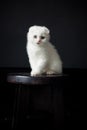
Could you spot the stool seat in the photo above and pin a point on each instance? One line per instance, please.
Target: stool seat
(26, 79)
(48, 97)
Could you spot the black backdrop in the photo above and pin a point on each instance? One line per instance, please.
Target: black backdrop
(66, 20)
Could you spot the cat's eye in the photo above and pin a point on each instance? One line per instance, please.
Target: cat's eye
(35, 36)
(42, 37)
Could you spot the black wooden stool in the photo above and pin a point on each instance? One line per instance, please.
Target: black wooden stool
(41, 93)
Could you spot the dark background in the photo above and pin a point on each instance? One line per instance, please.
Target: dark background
(67, 22)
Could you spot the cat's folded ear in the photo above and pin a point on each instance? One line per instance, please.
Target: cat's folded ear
(30, 28)
(46, 30)
(29, 31)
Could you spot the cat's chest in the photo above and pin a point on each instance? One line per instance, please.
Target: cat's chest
(35, 54)
(38, 53)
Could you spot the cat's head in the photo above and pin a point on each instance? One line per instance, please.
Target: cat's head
(38, 35)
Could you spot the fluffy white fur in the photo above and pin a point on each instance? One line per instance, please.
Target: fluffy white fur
(43, 57)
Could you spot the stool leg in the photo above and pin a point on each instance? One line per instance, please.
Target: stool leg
(58, 108)
(16, 107)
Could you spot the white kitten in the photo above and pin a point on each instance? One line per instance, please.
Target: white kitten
(43, 57)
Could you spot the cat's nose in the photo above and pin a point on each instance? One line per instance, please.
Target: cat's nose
(39, 41)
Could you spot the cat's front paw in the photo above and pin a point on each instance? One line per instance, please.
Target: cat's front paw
(34, 74)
